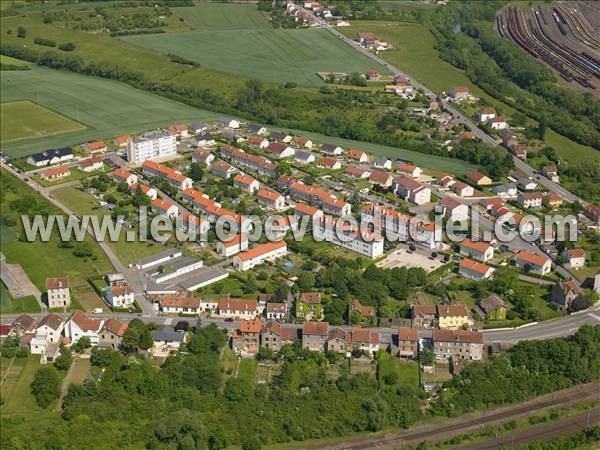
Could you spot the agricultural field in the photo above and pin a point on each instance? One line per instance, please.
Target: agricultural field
(25, 119)
(237, 39)
(108, 108)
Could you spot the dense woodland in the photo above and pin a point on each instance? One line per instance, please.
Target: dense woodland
(186, 403)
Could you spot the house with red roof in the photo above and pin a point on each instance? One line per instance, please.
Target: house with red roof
(79, 325)
(173, 177)
(280, 150)
(329, 163)
(164, 208)
(315, 335)
(246, 183)
(231, 246)
(260, 254)
(409, 169)
(458, 345)
(574, 257)
(203, 157)
(564, 293)
(462, 189)
(111, 334)
(275, 335)
(91, 164)
(123, 176)
(271, 199)
(405, 343)
(56, 173)
(533, 262)
(459, 93)
(358, 155)
(474, 270)
(258, 141)
(357, 172)
(145, 189)
(95, 146)
(365, 339)
(486, 114)
(410, 190)
(179, 129)
(481, 251)
(121, 141)
(237, 309)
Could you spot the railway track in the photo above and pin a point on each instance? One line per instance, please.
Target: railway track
(531, 32)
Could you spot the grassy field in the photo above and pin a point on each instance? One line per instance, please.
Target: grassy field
(24, 119)
(15, 62)
(108, 108)
(403, 372)
(247, 370)
(237, 39)
(10, 305)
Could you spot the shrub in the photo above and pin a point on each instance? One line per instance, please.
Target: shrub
(46, 386)
(44, 41)
(67, 47)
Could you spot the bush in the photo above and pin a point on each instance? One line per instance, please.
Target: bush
(44, 41)
(63, 362)
(22, 352)
(21, 32)
(46, 386)
(68, 47)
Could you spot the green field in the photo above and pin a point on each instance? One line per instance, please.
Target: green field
(237, 39)
(10, 305)
(12, 61)
(24, 119)
(108, 108)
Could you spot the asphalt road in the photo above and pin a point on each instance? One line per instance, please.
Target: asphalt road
(459, 116)
(433, 432)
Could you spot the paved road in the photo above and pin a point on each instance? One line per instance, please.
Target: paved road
(542, 433)
(459, 116)
(448, 429)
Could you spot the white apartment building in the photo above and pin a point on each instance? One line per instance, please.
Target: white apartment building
(151, 146)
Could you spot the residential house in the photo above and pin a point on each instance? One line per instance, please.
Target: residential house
(381, 162)
(275, 335)
(493, 308)
(166, 340)
(357, 155)
(308, 306)
(364, 311)
(91, 164)
(229, 122)
(280, 150)
(237, 309)
(250, 338)
(332, 149)
(121, 141)
(383, 179)
(47, 337)
(532, 262)
(453, 209)
(304, 157)
(172, 176)
(122, 176)
(111, 334)
(197, 128)
(232, 246)
(275, 311)
(281, 136)
(497, 123)
(474, 270)
(552, 200)
(120, 296)
(357, 172)
(183, 303)
(405, 343)
(365, 339)
(458, 345)
(424, 316)
(246, 183)
(222, 169)
(179, 129)
(462, 189)
(145, 189)
(453, 316)
(315, 335)
(574, 257)
(339, 341)
(95, 146)
(459, 93)
(57, 292)
(257, 129)
(22, 325)
(260, 254)
(478, 178)
(551, 172)
(205, 139)
(373, 75)
(481, 251)
(409, 169)
(302, 209)
(258, 141)
(56, 173)
(302, 141)
(519, 150)
(203, 157)
(79, 325)
(164, 208)
(530, 199)
(445, 180)
(486, 114)
(50, 157)
(271, 199)
(563, 293)
(329, 163)
(506, 191)
(592, 212)
(410, 190)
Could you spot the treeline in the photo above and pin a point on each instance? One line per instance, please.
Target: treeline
(508, 73)
(528, 369)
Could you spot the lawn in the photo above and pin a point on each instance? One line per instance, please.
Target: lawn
(402, 372)
(10, 305)
(237, 39)
(24, 119)
(46, 259)
(108, 108)
(247, 370)
(76, 174)
(12, 61)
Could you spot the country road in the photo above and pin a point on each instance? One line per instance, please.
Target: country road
(447, 429)
(519, 164)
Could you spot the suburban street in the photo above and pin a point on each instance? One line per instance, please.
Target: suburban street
(458, 115)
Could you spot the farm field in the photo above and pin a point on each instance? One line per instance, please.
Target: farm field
(24, 119)
(108, 108)
(235, 39)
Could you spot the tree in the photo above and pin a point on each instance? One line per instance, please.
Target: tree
(136, 337)
(426, 357)
(83, 343)
(104, 357)
(306, 281)
(580, 303)
(64, 360)
(21, 32)
(281, 293)
(67, 47)
(196, 172)
(46, 386)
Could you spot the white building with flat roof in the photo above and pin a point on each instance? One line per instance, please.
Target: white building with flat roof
(151, 146)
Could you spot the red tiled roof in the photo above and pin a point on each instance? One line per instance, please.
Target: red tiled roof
(313, 298)
(95, 145)
(466, 337)
(250, 326)
(85, 323)
(57, 283)
(269, 195)
(320, 328)
(454, 309)
(305, 209)
(261, 250)
(120, 173)
(237, 305)
(55, 171)
(531, 258)
(115, 326)
(407, 334)
(474, 266)
(480, 247)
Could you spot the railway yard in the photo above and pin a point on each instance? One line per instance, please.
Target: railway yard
(562, 35)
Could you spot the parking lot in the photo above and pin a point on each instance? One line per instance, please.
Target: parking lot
(404, 257)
